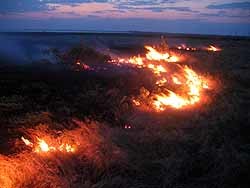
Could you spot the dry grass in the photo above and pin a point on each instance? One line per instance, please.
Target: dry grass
(202, 147)
(57, 169)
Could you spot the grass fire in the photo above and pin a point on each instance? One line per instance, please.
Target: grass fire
(169, 72)
(125, 110)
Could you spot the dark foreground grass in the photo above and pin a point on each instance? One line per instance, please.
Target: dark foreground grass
(204, 147)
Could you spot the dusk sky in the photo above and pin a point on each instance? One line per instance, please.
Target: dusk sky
(177, 16)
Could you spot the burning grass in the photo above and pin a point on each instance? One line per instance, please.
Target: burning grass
(54, 157)
(80, 57)
(30, 170)
(204, 146)
(177, 85)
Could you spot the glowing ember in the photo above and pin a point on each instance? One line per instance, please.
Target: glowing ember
(137, 103)
(184, 47)
(83, 65)
(210, 48)
(127, 127)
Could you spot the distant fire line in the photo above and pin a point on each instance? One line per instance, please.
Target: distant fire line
(157, 61)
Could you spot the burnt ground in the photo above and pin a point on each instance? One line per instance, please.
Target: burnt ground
(207, 146)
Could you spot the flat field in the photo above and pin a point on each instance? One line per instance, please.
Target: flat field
(119, 144)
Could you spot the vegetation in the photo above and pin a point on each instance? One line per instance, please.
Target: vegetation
(203, 147)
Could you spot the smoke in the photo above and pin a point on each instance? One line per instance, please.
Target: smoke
(26, 48)
(11, 51)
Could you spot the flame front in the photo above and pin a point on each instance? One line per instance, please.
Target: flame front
(191, 85)
(194, 84)
(171, 99)
(26, 141)
(153, 54)
(213, 48)
(176, 80)
(43, 146)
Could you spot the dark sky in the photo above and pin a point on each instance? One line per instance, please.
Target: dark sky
(181, 16)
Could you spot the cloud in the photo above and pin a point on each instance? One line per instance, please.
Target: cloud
(181, 9)
(153, 5)
(144, 2)
(18, 6)
(223, 14)
(241, 5)
(178, 9)
(155, 9)
(146, 9)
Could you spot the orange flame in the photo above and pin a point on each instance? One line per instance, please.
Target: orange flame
(136, 61)
(213, 48)
(51, 166)
(26, 141)
(42, 146)
(153, 54)
(190, 82)
(194, 83)
(157, 69)
(176, 80)
(161, 82)
(173, 59)
(137, 103)
(163, 100)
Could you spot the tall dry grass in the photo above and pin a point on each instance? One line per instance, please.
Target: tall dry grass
(94, 151)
